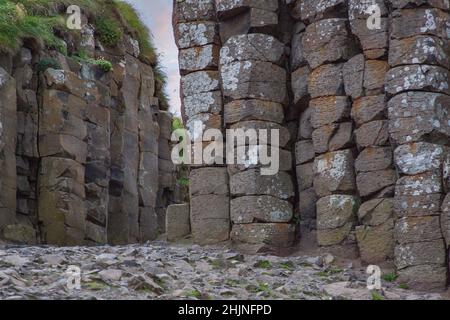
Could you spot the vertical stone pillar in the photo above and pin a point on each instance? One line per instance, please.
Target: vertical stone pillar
(8, 123)
(419, 86)
(27, 140)
(304, 149)
(254, 87)
(98, 160)
(327, 44)
(166, 168)
(364, 79)
(63, 152)
(196, 33)
(123, 226)
(149, 149)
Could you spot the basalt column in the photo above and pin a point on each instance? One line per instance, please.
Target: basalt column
(196, 33)
(8, 182)
(27, 156)
(254, 84)
(364, 76)
(418, 83)
(327, 44)
(63, 151)
(304, 149)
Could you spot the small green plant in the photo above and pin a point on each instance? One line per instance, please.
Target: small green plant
(184, 182)
(403, 286)
(194, 294)
(103, 64)
(109, 31)
(263, 264)
(376, 296)
(46, 63)
(177, 123)
(389, 277)
(288, 265)
(231, 282)
(96, 285)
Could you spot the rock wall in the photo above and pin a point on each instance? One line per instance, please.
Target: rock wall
(84, 151)
(363, 116)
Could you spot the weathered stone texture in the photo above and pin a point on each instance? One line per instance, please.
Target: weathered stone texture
(210, 218)
(334, 173)
(177, 221)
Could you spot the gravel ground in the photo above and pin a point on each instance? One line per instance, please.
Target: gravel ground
(162, 271)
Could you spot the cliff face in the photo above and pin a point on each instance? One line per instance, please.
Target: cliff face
(84, 143)
(361, 100)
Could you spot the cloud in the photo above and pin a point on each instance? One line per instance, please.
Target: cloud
(157, 15)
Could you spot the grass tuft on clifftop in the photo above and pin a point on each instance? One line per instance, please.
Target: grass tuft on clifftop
(42, 19)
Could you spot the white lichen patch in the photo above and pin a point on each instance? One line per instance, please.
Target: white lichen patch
(418, 157)
(198, 82)
(206, 102)
(54, 76)
(195, 34)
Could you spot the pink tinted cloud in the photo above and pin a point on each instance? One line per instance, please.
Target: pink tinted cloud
(157, 15)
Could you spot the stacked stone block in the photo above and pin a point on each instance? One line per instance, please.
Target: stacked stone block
(8, 116)
(364, 76)
(304, 149)
(63, 151)
(371, 100)
(418, 83)
(83, 146)
(254, 87)
(27, 158)
(166, 169)
(197, 37)
(327, 43)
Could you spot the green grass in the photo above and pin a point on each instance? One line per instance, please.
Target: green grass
(108, 31)
(46, 63)
(184, 182)
(288, 265)
(376, 296)
(389, 277)
(194, 294)
(403, 286)
(103, 64)
(263, 264)
(177, 123)
(42, 20)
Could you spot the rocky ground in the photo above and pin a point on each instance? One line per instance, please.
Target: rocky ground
(161, 271)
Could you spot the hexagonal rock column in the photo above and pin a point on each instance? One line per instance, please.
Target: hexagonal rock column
(419, 82)
(326, 44)
(304, 150)
(254, 88)
(177, 221)
(62, 146)
(27, 157)
(196, 34)
(98, 161)
(162, 163)
(8, 121)
(364, 76)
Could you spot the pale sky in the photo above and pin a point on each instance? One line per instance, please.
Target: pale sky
(157, 15)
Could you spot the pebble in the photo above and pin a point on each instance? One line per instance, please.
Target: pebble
(159, 270)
